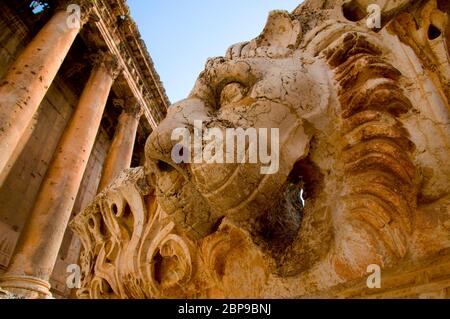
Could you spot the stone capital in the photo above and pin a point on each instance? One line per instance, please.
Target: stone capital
(107, 60)
(130, 106)
(79, 10)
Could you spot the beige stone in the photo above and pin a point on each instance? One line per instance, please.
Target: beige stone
(36, 253)
(364, 128)
(45, 66)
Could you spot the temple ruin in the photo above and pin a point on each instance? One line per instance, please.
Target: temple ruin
(360, 93)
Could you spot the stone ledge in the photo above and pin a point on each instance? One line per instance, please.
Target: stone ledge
(426, 279)
(7, 295)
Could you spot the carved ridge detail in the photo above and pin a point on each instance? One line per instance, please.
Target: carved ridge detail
(376, 149)
(130, 248)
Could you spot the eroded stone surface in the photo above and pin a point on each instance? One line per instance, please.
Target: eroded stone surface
(364, 131)
(7, 295)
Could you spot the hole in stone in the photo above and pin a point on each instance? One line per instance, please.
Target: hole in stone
(157, 264)
(353, 12)
(127, 220)
(91, 223)
(114, 209)
(166, 270)
(433, 32)
(106, 288)
(301, 197)
(163, 166)
(283, 219)
(217, 224)
(103, 230)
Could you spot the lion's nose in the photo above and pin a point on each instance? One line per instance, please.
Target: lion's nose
(158, 149)
(163, 141)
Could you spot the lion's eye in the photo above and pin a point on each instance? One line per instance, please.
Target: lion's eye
(232, 93)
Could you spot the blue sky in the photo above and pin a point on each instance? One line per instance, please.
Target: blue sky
(181, 34)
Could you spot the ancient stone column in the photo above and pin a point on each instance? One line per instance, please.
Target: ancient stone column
(29, 77)
(37, 250)
(121, 150)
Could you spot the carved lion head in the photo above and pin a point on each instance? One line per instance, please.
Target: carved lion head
(329, 85)
(264, 83)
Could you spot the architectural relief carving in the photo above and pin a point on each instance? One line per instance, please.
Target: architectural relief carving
(83, 15)
(60, 134)
(131, 247)
(108, 61)
(129, 105)
(363, 116)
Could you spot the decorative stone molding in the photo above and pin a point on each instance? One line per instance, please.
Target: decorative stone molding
(6, 295)
(428, 280)
(130, 105)
(30, 286)
(123, 39)
(364, 127)
(107, 60)
(134, 109)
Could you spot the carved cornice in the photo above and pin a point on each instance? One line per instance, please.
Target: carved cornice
(134, 110)
(123, 39)
(375, 202)
(13, 21)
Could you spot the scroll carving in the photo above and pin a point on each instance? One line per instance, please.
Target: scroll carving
(130, 249)
(363, 177)
(376, 149)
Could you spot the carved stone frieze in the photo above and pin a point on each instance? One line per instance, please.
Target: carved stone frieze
(364, 127)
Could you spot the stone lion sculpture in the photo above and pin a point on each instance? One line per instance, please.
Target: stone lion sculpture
(362, 113)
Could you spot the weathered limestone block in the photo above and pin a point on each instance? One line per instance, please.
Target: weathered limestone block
(363, 119)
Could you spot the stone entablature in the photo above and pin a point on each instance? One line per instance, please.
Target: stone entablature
(126, 235)
(123, 39)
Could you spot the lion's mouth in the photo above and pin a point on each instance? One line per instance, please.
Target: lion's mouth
(178, 197)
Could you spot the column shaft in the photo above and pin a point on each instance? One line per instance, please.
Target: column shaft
(121, 150)
(37, 250)
(28, 79)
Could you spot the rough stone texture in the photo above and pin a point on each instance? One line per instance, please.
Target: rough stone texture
(364, 129)
(6, 295)
(21, 180)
